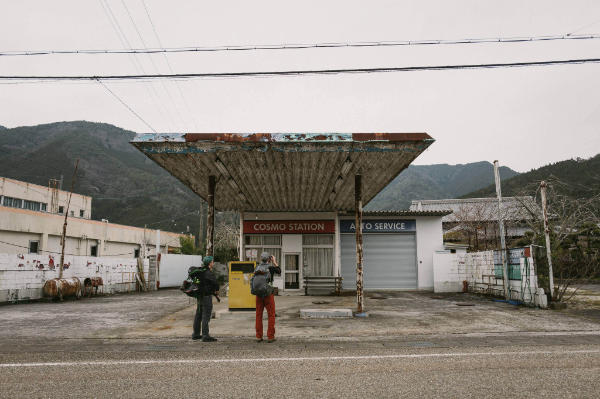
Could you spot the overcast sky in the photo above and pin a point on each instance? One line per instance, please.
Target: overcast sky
(525, 117)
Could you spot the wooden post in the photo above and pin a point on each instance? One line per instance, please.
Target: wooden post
(201, 230)
(210, 222)
(359, 243)
(64, 231)
(502, 233)
(547, 235)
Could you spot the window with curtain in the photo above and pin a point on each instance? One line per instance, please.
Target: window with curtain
(257, 244)
(317, 254)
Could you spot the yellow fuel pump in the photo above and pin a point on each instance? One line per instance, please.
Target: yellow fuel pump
(240, 297)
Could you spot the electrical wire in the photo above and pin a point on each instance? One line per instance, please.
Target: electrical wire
(301, 46)
(136, 62)
(300, 71)
(162, 83)
(583, 27)
(126, 105)
(183, 98)
(54, 252)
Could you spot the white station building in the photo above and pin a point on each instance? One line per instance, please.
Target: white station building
(296, 197)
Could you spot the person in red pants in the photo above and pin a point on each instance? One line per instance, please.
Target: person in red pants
(269, 267)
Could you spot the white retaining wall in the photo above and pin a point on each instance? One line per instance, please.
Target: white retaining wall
(173, 269)
(22, 277)
(477, 269)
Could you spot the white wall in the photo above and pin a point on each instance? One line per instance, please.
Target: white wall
(22, 277)
(173, 269)
(445, 272)
(430, 238)
(477, 269)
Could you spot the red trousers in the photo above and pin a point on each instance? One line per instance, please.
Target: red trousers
(269, 303)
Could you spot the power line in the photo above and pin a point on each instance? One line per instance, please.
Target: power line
(299, 72)
(583, 27)
(253, 47)
(162, 83)
(125, 104)
(185, 102)
(136, 62)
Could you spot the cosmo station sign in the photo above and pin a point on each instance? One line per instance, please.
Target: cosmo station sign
(289, 227)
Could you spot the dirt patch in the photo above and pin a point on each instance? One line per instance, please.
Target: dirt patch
(163, 328)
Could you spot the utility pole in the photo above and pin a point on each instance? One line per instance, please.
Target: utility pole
(64, 232)
(502, 233)
(210, 222)
(547, 234)
(358, 210)
(53, 185)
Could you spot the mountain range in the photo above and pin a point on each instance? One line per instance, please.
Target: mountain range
(129, 188)
(439, 181)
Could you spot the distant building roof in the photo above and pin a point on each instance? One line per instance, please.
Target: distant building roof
(401, 213)
(479, 209)
(454, 245)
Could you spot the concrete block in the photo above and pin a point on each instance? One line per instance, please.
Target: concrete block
(325, 313)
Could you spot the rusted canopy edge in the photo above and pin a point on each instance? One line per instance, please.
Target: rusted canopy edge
(196, 148)
(282, 137)
(306, 137)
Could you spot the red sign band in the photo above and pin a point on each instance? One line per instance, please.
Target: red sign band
(289, 226)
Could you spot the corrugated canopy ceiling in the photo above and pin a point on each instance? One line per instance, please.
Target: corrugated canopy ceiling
(284, 172)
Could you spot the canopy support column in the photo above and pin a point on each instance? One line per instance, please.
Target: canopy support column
(210, 222)
(359, 243)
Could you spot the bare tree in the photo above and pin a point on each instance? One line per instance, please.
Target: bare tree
(227, 237)
(573, 262)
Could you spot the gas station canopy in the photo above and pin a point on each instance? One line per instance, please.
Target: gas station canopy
(284, 171)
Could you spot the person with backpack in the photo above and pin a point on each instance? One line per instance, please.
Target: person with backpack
(262, 286)
(208, 286)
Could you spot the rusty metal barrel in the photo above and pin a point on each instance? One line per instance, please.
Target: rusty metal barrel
(93, 282)
(62, 287)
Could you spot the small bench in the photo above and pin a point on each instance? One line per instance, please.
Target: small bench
(322, 284)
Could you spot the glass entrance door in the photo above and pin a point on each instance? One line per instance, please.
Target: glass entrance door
(292, 271)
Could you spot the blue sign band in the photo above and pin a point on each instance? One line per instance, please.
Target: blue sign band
(380, 226)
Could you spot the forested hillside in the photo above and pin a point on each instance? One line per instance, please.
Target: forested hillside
(126, 186)
(579, 178)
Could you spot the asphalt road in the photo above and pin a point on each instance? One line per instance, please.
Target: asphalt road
(488, 365)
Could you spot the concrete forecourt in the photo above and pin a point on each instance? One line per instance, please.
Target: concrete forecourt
(412, 344)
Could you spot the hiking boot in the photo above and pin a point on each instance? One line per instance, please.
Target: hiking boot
(259, 340)
(271, 340)
(195, 338)
(208, 339)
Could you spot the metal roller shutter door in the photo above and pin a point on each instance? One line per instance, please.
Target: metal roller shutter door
(390, 261)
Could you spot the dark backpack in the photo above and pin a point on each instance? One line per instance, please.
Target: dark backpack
(194, 284)
(259, 284)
